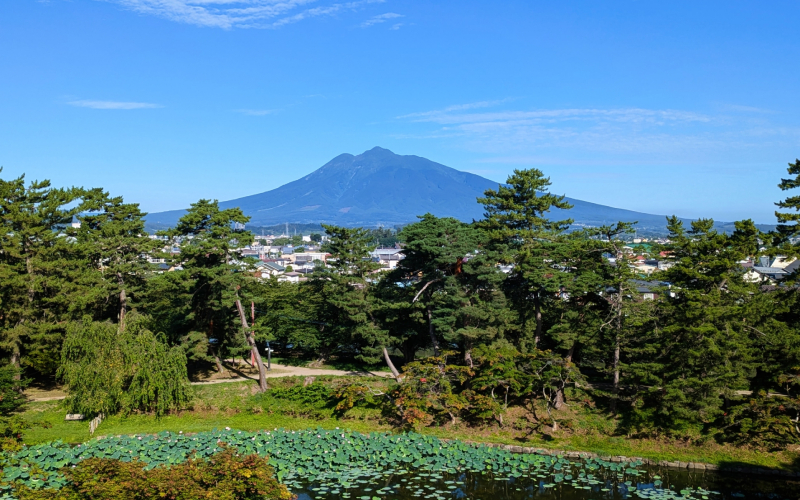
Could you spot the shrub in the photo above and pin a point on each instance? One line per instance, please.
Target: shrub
(11, 397)
(11, 400)
(224, 476)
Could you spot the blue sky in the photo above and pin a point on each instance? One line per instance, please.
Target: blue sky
(663, 107)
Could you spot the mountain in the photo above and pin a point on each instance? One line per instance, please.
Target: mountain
(380, 188)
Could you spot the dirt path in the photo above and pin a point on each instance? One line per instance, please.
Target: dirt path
(277, 371)
(298, 371)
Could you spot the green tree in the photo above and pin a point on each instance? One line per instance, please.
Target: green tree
(343, 302)
(520, 231)
(788, 222)
(704, 337)
(116, 245)
(211, 276)
(41, 271)
(435, 252)
(107, 370)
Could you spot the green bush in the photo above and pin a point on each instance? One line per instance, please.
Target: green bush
(224, 476)
(11, 400)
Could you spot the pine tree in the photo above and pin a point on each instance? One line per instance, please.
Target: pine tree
(211, 276)
(704, 338)
(435, 251)
(522, 234)
(41, 271)
(788, 222)
(113, 239)
(343, 304)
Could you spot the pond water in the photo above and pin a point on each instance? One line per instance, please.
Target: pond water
(570, 483)
(340, 464)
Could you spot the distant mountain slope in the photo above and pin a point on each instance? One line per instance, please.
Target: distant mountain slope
(379, 187)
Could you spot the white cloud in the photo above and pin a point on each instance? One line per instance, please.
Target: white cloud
(577, 134)
(113, 104)
(229, 14)
(382, 18)
(396, 26)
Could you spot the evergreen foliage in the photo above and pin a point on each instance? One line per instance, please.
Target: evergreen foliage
(515, 308)
(788, 222)
(208, 285)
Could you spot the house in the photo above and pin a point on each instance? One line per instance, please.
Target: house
(303, 263)
(755, 274)
(267, 269)
(648, 289)
(388, 258)
(292, 277)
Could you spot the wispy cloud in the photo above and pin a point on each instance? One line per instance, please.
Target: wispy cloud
(382, 18)
(396, 26)
(451, 115)
(456, 107)
(579, 134)
(229, 14)
(257, 112)
(113, 104)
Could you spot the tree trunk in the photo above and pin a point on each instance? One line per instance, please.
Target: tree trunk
(262, 372)
(15, 358)
(395, 373)
(559, 402)
(568, 357)
(409, 349)
(468, 356)
(123, 306)
(220, 368)
(616, 374)
(123, 302)
(537, 307)
(434, 341)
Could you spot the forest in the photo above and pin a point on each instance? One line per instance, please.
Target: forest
(515, 309)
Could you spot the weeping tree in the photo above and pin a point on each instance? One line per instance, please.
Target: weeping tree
(110, 371)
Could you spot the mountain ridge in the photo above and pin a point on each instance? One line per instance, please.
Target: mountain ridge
(381, 188)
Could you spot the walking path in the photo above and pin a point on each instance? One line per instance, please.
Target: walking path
(277, 371)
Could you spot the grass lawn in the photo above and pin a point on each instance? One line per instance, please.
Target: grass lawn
(236, 405)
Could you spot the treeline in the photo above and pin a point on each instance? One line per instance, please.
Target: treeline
(515, 305)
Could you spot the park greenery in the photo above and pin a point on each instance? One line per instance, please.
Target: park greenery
(517, 312)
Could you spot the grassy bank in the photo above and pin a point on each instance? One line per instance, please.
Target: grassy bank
(236, 405)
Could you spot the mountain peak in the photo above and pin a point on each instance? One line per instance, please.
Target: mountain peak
(381, 188)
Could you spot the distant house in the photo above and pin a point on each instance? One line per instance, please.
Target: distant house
(761, 273)
(388, 258)
(648, 289)
(769, 269)
(292, 277)
(268, 269)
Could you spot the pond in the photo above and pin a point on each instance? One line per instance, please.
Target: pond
(342, 465)
(571, 483)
